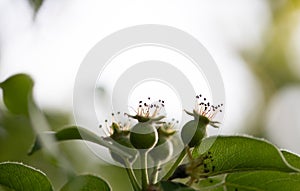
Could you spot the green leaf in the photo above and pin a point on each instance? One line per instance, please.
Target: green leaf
(17, 92)
(86, 183)
(172, 186)
(77, 133)
(291, 158)
(18, 176)
(69, 133)
(257, 180)
(227, 154)
(211, 182)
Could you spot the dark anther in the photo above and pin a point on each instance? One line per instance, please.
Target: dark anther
(179, 172)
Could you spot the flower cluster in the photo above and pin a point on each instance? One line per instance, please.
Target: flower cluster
(148, 134)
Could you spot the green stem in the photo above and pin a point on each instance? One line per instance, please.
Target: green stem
(175, 165)
(154, 174)
(144, 170)
(131, 176)
(132, 179)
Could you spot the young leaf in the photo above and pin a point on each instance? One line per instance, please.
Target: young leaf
(18, 176)
(257, 180)
(291, 158)
(86, 183)
(76, 133)
(227, 154)
(69, 133)
(17, 91)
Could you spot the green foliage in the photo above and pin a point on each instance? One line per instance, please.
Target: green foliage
(292, 159)
(218, 163)
(227, 154)
(18, 176)
(17, 93)
(86, 183)
(256, 180)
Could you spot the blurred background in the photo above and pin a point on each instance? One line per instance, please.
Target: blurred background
(255, 43)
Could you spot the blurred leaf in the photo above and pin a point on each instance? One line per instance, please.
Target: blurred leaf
(77, 133)
(258, 180)
(224, 154)
(292, 159)
(86, 183)
(18, 136)
(57, 118)
(36, 4)
(17, 92)
(18, 176)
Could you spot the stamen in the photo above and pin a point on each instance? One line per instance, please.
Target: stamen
(205, 108)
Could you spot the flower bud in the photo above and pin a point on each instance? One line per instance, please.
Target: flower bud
(194, 131)
(143, 136)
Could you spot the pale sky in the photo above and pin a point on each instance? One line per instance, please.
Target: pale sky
(52, 47)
